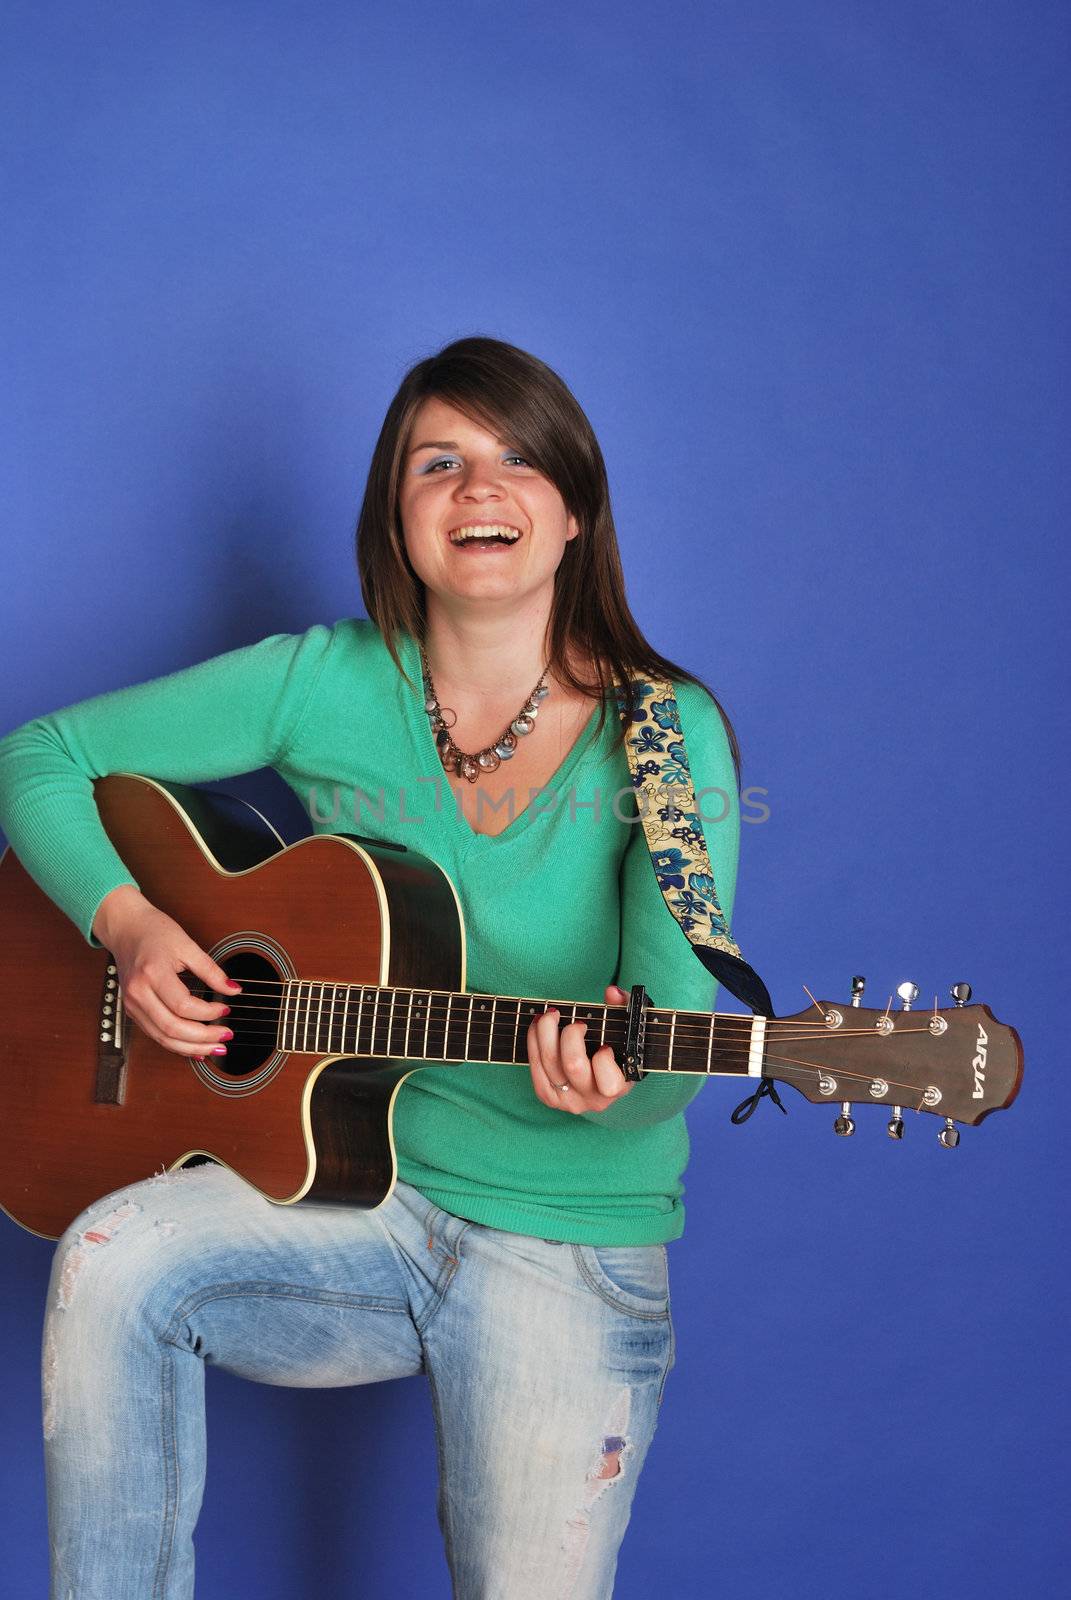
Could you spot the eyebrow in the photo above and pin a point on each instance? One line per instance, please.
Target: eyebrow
(435, 444)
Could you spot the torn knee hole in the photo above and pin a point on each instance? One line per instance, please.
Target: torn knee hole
(611, 1457)
(78, 1253)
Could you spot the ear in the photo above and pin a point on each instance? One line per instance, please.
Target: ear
(572, 527)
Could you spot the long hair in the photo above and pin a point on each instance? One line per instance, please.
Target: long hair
(523, 401)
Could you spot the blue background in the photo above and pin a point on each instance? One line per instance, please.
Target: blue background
(804, 266)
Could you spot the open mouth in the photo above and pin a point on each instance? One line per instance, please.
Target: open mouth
(489, 536)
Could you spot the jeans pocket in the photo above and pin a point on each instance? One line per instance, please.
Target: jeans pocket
(634, 1278)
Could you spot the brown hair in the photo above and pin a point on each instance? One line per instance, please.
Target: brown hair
(522, 400)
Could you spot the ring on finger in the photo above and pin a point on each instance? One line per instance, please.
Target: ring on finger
(563, 1088)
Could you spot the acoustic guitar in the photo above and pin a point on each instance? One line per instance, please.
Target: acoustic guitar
(336, 1010)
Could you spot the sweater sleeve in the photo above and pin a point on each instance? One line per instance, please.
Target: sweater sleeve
(655, 951)
(234, 713)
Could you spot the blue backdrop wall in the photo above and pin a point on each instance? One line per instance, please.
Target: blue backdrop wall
(804, 265)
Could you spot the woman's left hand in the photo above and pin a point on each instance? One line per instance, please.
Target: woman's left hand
(564, 1076)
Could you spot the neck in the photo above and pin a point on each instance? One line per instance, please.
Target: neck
(392, 1023)
(491, 654)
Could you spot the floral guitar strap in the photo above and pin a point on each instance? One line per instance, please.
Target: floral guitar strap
(665, 798)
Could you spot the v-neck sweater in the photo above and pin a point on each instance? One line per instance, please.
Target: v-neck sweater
(560, 903)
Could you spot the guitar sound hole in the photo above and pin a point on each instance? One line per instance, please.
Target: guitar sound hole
(254, 1014)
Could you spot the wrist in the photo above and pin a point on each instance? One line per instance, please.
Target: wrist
(115, 910)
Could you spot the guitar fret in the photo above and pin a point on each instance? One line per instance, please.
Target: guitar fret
(710, 1040)
(283, 1018)
(372, 1024)
(345, 1014)
(390, 1021)
(408, 1022)
(319, 1014)
(308, 1013)
(491, 1029)
(434, 1039)
(336, 995)
(477, 1037)
(468, 1027)
(427, 1024)
(672, 1031)
(516, 1030)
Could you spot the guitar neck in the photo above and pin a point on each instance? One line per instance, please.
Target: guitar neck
(440, 1025)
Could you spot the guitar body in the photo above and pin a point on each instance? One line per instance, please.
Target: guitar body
(92, 1104)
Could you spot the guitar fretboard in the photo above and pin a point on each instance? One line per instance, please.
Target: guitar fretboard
(443, 1025)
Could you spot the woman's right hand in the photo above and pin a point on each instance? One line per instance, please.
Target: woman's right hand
(150, 950)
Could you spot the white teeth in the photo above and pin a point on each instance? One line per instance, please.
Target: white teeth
(463, 535)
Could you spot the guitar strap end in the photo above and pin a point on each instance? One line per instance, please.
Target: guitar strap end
(672, 826)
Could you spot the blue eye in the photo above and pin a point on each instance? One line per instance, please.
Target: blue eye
(447, 461)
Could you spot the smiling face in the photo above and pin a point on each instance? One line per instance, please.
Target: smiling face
(459, 479)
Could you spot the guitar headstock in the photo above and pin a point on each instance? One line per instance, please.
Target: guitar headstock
(959, 1063)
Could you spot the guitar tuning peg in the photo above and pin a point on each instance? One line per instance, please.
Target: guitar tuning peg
(949, 1135)
(858, 985)
(909, 993)
(961, 993)
(845, 1123)
(895, 1126)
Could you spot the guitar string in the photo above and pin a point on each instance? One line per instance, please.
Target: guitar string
(265, 988)
(310, 1012)
(726, 1057)
(310, 1009)
(726, 1042)
(729, 1051)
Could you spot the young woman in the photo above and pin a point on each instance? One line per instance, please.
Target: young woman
(520, 1261)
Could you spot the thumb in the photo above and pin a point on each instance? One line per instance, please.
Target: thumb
(200, 962)
(615, 996)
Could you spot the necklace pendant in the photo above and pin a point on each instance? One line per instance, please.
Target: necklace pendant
(443, 718)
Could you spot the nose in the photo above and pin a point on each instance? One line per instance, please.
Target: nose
(479, 481)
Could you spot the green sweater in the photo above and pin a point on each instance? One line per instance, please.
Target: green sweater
(560, 904)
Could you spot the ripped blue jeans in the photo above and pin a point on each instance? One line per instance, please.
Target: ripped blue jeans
(546, 1364)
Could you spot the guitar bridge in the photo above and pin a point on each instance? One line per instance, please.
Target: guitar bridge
(635, 1026)
(110, 1087)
